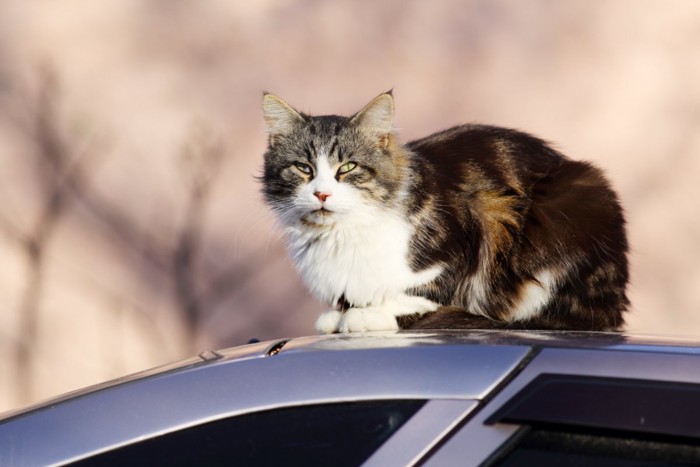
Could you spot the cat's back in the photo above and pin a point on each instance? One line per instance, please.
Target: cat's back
(493, 152)
(481, 166)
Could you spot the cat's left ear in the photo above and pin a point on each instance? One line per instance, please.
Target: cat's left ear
(377, 118)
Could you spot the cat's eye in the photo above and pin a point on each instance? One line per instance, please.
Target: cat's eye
(303, 168)
(345, 168)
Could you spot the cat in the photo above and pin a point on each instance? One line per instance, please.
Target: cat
(475, 226)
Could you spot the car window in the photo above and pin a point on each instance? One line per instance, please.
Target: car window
(593, 421)
(635, 405)
(541, 447)
(330, 434)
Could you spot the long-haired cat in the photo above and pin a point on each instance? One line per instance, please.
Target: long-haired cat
(471, 227)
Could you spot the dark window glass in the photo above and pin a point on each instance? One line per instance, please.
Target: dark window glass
(631, 405)
(573, 420)
(542, 447)
(331, 434)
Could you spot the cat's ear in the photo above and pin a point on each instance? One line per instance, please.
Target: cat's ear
(280, 117)
(377, 118)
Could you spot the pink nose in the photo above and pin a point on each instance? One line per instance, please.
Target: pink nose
(321, 196)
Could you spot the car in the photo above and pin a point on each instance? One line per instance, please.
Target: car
(430, 398)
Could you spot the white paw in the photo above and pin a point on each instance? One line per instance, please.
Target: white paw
(367, 319)
(328, 322)
(407, 305)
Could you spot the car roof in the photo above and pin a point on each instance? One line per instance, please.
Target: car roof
(397, 340)
(435, 365)
(490, 337)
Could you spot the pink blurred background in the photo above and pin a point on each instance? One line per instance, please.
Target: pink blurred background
(132, 231)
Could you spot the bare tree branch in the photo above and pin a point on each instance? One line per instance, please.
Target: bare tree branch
(200, 163)
(52, 168)
(64, 170)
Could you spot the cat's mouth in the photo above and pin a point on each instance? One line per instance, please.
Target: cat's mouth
(322, 212)
(318, 217)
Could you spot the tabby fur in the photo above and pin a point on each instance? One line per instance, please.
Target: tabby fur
(475, 226)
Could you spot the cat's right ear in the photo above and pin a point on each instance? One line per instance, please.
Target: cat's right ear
(280, 117)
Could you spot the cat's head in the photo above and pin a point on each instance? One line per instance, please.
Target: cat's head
(320, 170)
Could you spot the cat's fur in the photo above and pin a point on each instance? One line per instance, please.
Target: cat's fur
(488, 226)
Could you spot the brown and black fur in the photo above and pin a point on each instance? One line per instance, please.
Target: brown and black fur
(485, 194)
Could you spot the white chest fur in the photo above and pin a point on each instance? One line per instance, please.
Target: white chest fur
(362, 257)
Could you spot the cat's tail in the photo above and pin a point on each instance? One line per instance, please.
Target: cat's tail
(453, 317)
(447, 317)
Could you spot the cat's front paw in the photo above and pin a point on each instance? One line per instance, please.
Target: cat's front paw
(328, 322)
(367, 319)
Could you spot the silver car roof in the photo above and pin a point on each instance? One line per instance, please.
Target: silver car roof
(450, 366)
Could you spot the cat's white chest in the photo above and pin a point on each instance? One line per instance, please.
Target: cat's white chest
(365, 260)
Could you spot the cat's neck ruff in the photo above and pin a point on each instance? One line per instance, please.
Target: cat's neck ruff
(362, 257)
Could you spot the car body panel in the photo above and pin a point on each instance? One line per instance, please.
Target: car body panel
(656, 364)
(235, 382)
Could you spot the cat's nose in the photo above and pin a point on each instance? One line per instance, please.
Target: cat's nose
(322, 196)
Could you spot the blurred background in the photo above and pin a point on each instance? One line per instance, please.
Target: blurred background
(132, 231)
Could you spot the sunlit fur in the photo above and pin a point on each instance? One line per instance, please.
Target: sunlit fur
(489, 227)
